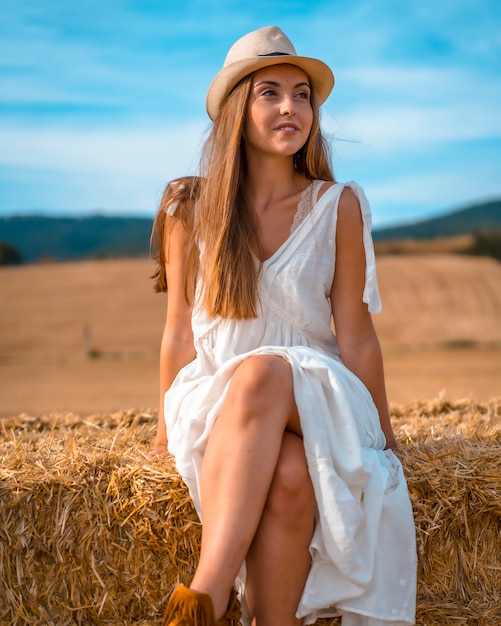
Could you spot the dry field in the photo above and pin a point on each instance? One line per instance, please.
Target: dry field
(440, 331)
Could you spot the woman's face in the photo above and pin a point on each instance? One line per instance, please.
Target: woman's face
(279, 114)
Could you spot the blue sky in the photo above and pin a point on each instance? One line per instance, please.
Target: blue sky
(103, 101)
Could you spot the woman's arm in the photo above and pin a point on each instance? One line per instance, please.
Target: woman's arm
(356, 336)
(177, 348)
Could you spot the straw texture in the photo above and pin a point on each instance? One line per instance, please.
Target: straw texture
(92, 532)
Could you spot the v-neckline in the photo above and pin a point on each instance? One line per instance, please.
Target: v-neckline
(293, 231)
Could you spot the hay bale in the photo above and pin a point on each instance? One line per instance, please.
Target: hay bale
(91, 533)
(453, 467)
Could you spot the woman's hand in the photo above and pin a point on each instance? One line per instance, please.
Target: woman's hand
(395, 447)
(158, 450)
(391, 444)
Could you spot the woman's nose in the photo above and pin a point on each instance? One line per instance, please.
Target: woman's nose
(287, 106)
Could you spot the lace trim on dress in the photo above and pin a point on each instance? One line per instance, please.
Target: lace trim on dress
(306, 203)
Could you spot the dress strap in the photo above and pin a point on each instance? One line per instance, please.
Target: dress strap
(307, 201)
(371, 291)
(316, 185)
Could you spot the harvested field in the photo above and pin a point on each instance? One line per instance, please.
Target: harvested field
(439, 300)
(92, 533)
(84, 337)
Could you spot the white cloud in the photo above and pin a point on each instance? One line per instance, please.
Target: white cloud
(126, 151)
(409, 128)
(111, 168)
(414, 108)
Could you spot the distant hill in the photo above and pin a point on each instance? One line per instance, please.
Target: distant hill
(480, 217)
(66, 238)
(73, 238)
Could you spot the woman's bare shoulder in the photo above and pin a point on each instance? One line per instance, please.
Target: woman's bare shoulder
(348, 198)
(326, 185)
(349, 217)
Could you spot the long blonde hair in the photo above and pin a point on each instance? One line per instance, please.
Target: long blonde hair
(225, 225)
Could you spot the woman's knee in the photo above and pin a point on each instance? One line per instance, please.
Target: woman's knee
(291, 495)
(260, 383)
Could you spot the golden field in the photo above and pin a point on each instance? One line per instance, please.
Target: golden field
(85, 336)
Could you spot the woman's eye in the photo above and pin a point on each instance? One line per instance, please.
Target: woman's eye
(304, 95)
(268, 92)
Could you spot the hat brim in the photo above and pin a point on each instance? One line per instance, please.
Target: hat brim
(319, 73)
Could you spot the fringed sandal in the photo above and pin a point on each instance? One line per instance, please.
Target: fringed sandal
(189, 608)
(233, 615)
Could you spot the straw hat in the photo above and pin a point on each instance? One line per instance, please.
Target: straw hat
(262, 48)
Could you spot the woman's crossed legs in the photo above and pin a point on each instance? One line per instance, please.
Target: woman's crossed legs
(258, 503)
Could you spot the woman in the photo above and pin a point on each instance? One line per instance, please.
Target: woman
(280, 428)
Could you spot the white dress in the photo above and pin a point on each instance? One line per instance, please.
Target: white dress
(363, 548)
